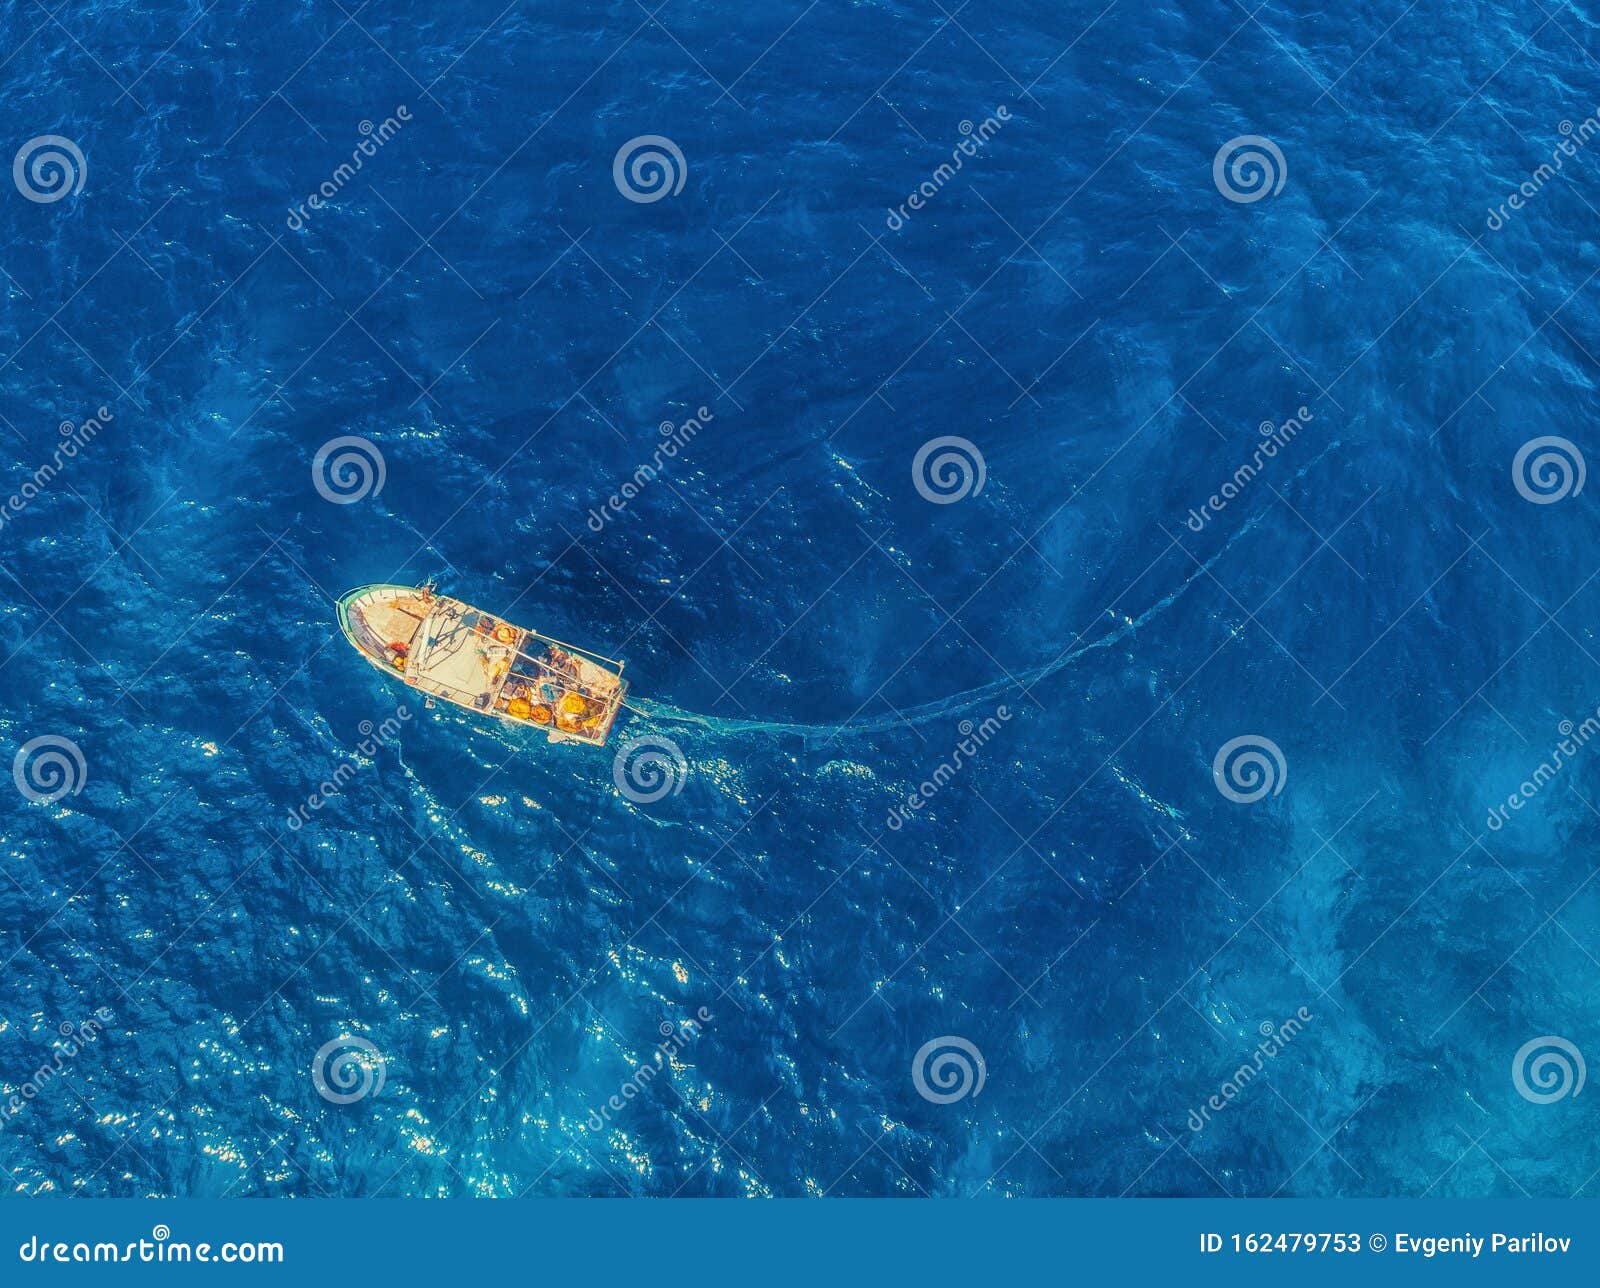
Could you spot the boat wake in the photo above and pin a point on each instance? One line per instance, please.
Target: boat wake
(923, 713)
(1012, 683)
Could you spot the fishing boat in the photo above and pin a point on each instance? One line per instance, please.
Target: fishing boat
(459, 654)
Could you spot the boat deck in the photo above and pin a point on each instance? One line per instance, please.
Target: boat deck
(450, 650)
(457, 656)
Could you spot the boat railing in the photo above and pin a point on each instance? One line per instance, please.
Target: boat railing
(615, 663)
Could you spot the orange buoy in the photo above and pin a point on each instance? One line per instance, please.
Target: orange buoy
(504, 633)
(572, 704)
(541, 714)
(520, 708)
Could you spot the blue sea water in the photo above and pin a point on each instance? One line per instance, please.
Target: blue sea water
(436, 978)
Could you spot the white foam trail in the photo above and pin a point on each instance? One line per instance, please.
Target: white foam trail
(668, 714)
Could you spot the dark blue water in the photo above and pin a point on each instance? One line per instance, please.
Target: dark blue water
(434, 979)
